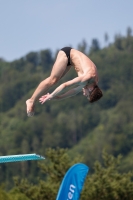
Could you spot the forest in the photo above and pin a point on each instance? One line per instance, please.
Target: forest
(69, 131)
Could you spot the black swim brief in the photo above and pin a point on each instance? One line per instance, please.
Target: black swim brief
(67, 52)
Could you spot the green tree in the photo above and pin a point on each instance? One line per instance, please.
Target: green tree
(83, 46)
(118, 42)
(106, 38)
(95, 46)
(58, 162)
(107, 183)
(129, 32)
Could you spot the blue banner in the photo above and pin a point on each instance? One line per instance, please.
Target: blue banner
(73, 182)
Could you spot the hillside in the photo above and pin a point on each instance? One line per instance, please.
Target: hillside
(72, 123)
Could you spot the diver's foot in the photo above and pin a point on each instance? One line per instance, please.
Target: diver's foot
(30, 108)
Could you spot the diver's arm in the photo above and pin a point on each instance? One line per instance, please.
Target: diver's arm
(67, 94)
(64, 86)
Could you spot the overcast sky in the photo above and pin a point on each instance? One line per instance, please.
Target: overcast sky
(34, 25)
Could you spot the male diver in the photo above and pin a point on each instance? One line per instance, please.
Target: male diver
(86, 80)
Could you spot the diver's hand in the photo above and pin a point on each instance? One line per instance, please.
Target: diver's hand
(45, 98)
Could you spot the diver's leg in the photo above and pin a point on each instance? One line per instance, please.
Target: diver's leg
(58, 70)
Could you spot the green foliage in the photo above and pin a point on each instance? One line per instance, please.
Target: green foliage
(72, 123)
(54, 169)
(106, 182)
(94, 46)
(83, 46)
(4, 195)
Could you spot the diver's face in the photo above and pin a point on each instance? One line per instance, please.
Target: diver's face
(87, 91)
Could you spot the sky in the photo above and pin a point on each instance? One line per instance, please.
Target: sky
(33, 25)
